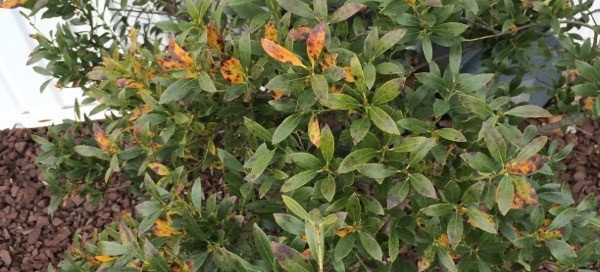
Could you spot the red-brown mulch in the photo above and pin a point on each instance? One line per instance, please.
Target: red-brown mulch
(30, 238)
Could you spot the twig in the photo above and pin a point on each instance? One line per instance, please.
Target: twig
(543, 129)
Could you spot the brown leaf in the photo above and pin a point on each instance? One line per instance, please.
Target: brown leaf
(330, 60)
(280, 54)
(232, 70)
(299, 34)
(11, 4)
(214, 38)
(277, 94)
(271, 32)
(315, 42)
(314, 131)
(179, 54)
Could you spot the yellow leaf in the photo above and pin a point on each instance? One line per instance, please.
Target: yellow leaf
(524, 194)
(349, 75)
(526, 167)
(159, 168)
(232, 70)
(426, 259)
(271, 32)
(345, 231)
(280, 54)
(335, 89)
(443, 241)
(214, 38)
(329, 60)
(169, 64)
(588, 103)
(11, 4)
(314, 131)
(102, 140)
(179, 54)
(104, 258)
(315, 42)
(299, 34)
(163, 228)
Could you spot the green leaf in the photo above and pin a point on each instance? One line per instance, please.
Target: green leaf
(353, 208)
(355, 158)
(328, 188)
(588, 71)
(437, 210)
(410, 144)
(420, 152)
(112, 248)
(178, 90)
(285, 82)
(327, 144)
(505, 193)
(197, 194)
(413, 124)
(155, 260)
(370, 75)
(383, 121)
(297, 7)
(261, 240)
(344, 246)
(286, 127)
(289, 223)
(298, 180)
(293, 206)
(472, 83)
(397, 194)
(359, 129)
(562, 251)
(339, 101)
(449, 29)
(370, 42)
(451, 134)
(306, 160)
(389, 39)
(206, 83)
(562, 219)
(359, 74)
(528, 111)
(387, 92)
(289, 259)
(245, 47)
(393, 245)
(445, 258)
(376, 170)
(455, 230)
(480, 220)
(371, 204)
(479, 162)
(257, 129)
(344, 12)
(473, 193)
(370, 245)
(494, 142)
(422, 185)
(316, 242)
(532, 148)
(320, 87)
(88, 151)
(261, 161)
(229, 161)
(475, 105)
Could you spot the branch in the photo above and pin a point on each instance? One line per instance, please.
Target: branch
(544, 129)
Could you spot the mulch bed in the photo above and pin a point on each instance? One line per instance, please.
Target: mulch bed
(30, 238)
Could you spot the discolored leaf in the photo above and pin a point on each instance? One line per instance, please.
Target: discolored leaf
(455, 230)
(397, 194)
(344, 12)
(528, 111)
(330, 60)
(232, 70)
(159, 168)
(179, 54)
(320, 87)
(316, 42)
(103, 140)
(163, 228)
(388, 91)
(299, 34)
(328, 188)
(314, 131)
(349, 77)
(214, 37)
(426, 259)
(11, 4)
(280, 54)
(527, 167)
(338, 101)
(270, 32)
(482, 220)
(422, 185)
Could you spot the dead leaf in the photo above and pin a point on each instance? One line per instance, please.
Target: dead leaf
(232, 70)
(299, 34)
(330, 60)
(526, 167)
(271, 32)
(280, 54)
(315, 42)
(277, 94)
(163, 228)
(104, 258)
(159, 168)
(349, 75)
(314, 131)
(345, 231)
(179, 54)
(170, 64)
(214, 38)
(11, 4)
(102, 140)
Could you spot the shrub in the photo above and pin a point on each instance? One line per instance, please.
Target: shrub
(338, 147)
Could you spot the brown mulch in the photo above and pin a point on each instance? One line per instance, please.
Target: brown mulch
(30, 238)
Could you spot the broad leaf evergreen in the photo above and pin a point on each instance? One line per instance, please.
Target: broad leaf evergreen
(297, 135)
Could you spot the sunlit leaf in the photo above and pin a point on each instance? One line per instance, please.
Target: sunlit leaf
(232, 70)
(280, 54)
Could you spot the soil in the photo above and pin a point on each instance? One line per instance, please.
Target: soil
(30, 238)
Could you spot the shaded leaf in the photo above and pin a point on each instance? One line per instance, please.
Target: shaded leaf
(232, 70)
(344, 12)
(316, 42)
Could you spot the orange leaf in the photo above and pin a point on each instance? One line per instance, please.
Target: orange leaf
(169, 64)
(526, 167)
(11, 4)
(277, 94)
(314, 131)
(271, 32)
(335, 89)
(214, 38)
(588, 103)
(280, 54)
(315, 42)
(443, 241)
(101, 139)
(163, 229)
(349, 75)
(299, 34)
(307, 253)
(179, 54)
(343, 232)
(159, 168)
(232, 70)
(104, 258)
(329, 60)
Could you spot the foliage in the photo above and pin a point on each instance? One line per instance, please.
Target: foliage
(338, 149)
